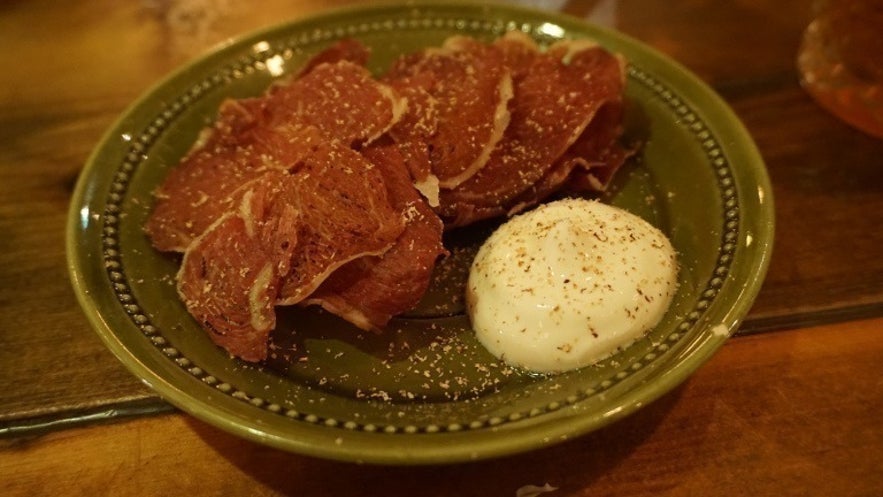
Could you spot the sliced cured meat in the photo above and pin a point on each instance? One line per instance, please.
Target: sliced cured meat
(252, 136)
(472, 86)
(413, 132)
(288, 232)
(343, 100)
(230, 276)
(588, 165)
(555, 100)
(369, 291)
(596, 177)
(592, 163)
(208, 182)
(344, 210)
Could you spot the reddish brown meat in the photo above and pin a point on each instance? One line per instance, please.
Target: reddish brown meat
(472, 87)
(588, 165)
(369, 291)
(344, 211)
(555, 99)
(230, 276)
(593, 164)
(342, 100)
(413, 132)
(519, 51)
(208, 182)
(334, 205)
(255, 135)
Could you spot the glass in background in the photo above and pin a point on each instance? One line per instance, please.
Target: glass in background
(841, 61)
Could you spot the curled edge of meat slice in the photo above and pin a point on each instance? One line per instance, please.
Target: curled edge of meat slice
(252, 135)
(412, 133)
(371, 290)
(472, 87)
(588, 165)
(345, 213)
(523, 157)
(230, 275)
(501, 114)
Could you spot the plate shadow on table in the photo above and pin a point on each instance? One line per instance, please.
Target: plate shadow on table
(570, 465)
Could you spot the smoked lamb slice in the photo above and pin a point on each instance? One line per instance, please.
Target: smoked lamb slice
(253, 136)
(344, 209)
(231, 274)
(288, 232)
(209, 181)
(342, 100)
(472, 86)
(369, 291)
(347, 49)
(555, 99)
(413, 132)
(588, 165)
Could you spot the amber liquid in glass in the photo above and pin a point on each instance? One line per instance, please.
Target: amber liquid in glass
(841, 61)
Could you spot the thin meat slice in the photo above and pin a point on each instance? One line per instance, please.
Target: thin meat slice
(343, 100)
(588, 165)
(555, 99)
(591, 162)
(472, 86)
(286, 235)
(369, 291)
(230, 276)
(253, 136)
(593, 165)
(344, 210)
(209, 181)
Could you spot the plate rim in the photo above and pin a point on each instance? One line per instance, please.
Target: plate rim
(403, 452)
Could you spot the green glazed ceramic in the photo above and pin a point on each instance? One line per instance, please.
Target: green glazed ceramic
(426, 391)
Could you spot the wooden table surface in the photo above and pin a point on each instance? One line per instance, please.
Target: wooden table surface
(790, 406)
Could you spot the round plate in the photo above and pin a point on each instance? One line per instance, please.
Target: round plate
(424, 392)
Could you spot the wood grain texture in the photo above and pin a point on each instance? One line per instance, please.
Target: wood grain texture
(76, 66)
(786, 414)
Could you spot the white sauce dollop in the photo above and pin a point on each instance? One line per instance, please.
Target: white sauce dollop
(568, 284)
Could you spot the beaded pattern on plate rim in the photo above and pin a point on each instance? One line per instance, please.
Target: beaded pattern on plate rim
(264, 52)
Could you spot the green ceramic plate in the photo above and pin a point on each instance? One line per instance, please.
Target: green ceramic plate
(425, 392)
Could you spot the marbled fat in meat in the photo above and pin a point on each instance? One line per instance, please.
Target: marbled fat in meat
(290, 231)
(412, 133)
(342, 100)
